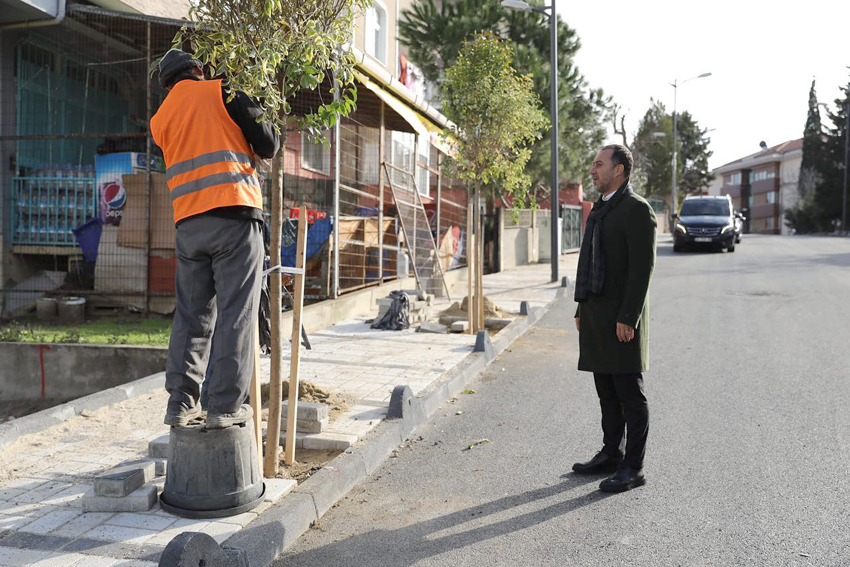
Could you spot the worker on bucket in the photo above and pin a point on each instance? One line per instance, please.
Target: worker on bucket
(210, 145)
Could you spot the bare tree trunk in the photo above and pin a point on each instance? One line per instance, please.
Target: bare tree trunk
(272, 461)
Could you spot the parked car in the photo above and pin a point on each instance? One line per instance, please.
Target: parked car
(705, 221)
(739, 225)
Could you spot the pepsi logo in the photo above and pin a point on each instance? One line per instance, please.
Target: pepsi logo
(114, 196)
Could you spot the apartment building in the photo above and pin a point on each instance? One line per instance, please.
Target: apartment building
(763, 185)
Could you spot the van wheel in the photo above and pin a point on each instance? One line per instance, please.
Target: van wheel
(730, 248)
(677, 248)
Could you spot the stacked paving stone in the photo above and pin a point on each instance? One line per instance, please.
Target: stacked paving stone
(123, 488)
(311, 418)
(420, 304)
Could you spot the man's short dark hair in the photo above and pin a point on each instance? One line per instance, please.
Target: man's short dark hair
(620, 155)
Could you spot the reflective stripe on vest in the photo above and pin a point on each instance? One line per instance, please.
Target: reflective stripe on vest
(204, 160)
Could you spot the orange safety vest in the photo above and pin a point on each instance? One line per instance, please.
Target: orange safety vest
(209, 164)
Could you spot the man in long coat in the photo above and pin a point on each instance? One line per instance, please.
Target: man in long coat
(612, 291)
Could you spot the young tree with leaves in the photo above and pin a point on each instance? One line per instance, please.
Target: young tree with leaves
(495, 115)
(434, 35)
(272, 50)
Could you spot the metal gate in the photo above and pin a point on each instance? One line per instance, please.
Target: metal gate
(571, 228)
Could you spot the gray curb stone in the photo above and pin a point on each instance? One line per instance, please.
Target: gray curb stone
(39, 421)
(281, 525)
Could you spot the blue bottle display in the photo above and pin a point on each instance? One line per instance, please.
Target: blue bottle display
(50, 201)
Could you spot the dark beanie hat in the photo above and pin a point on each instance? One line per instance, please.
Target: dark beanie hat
(173, 64)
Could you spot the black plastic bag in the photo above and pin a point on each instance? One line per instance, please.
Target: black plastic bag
(397, 318)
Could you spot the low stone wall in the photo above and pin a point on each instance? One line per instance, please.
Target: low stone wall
(65, 372)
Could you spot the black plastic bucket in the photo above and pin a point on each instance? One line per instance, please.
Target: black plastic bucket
(212, 473)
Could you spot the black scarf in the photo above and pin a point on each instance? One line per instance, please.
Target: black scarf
(590, 276)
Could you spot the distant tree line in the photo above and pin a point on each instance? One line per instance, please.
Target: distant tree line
(821, 182)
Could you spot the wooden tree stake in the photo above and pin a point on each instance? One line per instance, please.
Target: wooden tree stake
(295, 363)
(256, 401)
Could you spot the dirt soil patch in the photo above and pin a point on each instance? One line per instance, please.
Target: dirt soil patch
(308, 461)
(491, 311)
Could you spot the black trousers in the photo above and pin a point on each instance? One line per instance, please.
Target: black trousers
(624, 408)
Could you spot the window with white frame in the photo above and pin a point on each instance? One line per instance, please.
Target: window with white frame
(315, 156)
(423, 176)
(771, 197)
(733, 179)
(402, 157)
(376, 31)
(762, 175)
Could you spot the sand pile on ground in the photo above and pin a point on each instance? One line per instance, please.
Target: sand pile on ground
(491, 311)
(307, 392)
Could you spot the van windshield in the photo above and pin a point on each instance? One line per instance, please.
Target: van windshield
(709, 207)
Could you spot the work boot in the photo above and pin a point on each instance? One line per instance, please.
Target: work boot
(179, 415)
(222, 420)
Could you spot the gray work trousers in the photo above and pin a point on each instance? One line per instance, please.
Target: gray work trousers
(219, 276)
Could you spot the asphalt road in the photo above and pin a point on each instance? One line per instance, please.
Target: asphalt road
(747, 463)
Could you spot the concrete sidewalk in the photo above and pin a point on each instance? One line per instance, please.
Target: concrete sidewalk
(45, 474)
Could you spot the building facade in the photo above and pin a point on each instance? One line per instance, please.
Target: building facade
(84, 209)
(763, 185)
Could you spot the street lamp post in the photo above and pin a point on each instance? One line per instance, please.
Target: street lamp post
(673, 187)
(551, 13)
(846, 164)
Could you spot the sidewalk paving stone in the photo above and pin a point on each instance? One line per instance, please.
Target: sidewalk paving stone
(120, 533)
(143, 521)
(220, 531)
(23, 557)
(83, 523)
(51, 521)
(61, 559)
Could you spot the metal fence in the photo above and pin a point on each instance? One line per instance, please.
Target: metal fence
(85, 208)
(519, 218)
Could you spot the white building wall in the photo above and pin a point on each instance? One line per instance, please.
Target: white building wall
(716, 184)
(789, 174)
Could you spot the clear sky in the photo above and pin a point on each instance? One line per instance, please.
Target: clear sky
(762, 55)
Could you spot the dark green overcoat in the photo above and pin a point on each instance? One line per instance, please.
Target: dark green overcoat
(628, 236)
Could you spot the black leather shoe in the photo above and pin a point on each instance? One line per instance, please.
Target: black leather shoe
(624, 479)
(602, 462)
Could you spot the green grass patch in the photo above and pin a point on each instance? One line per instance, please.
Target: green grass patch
(120, 331)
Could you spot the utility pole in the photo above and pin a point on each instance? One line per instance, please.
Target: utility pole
(846, 162)
(673, 192)
(553, 22)
(550, 12)
(673, 189)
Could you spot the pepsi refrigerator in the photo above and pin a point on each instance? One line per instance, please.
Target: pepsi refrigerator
(111, 193)
(119, 269)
